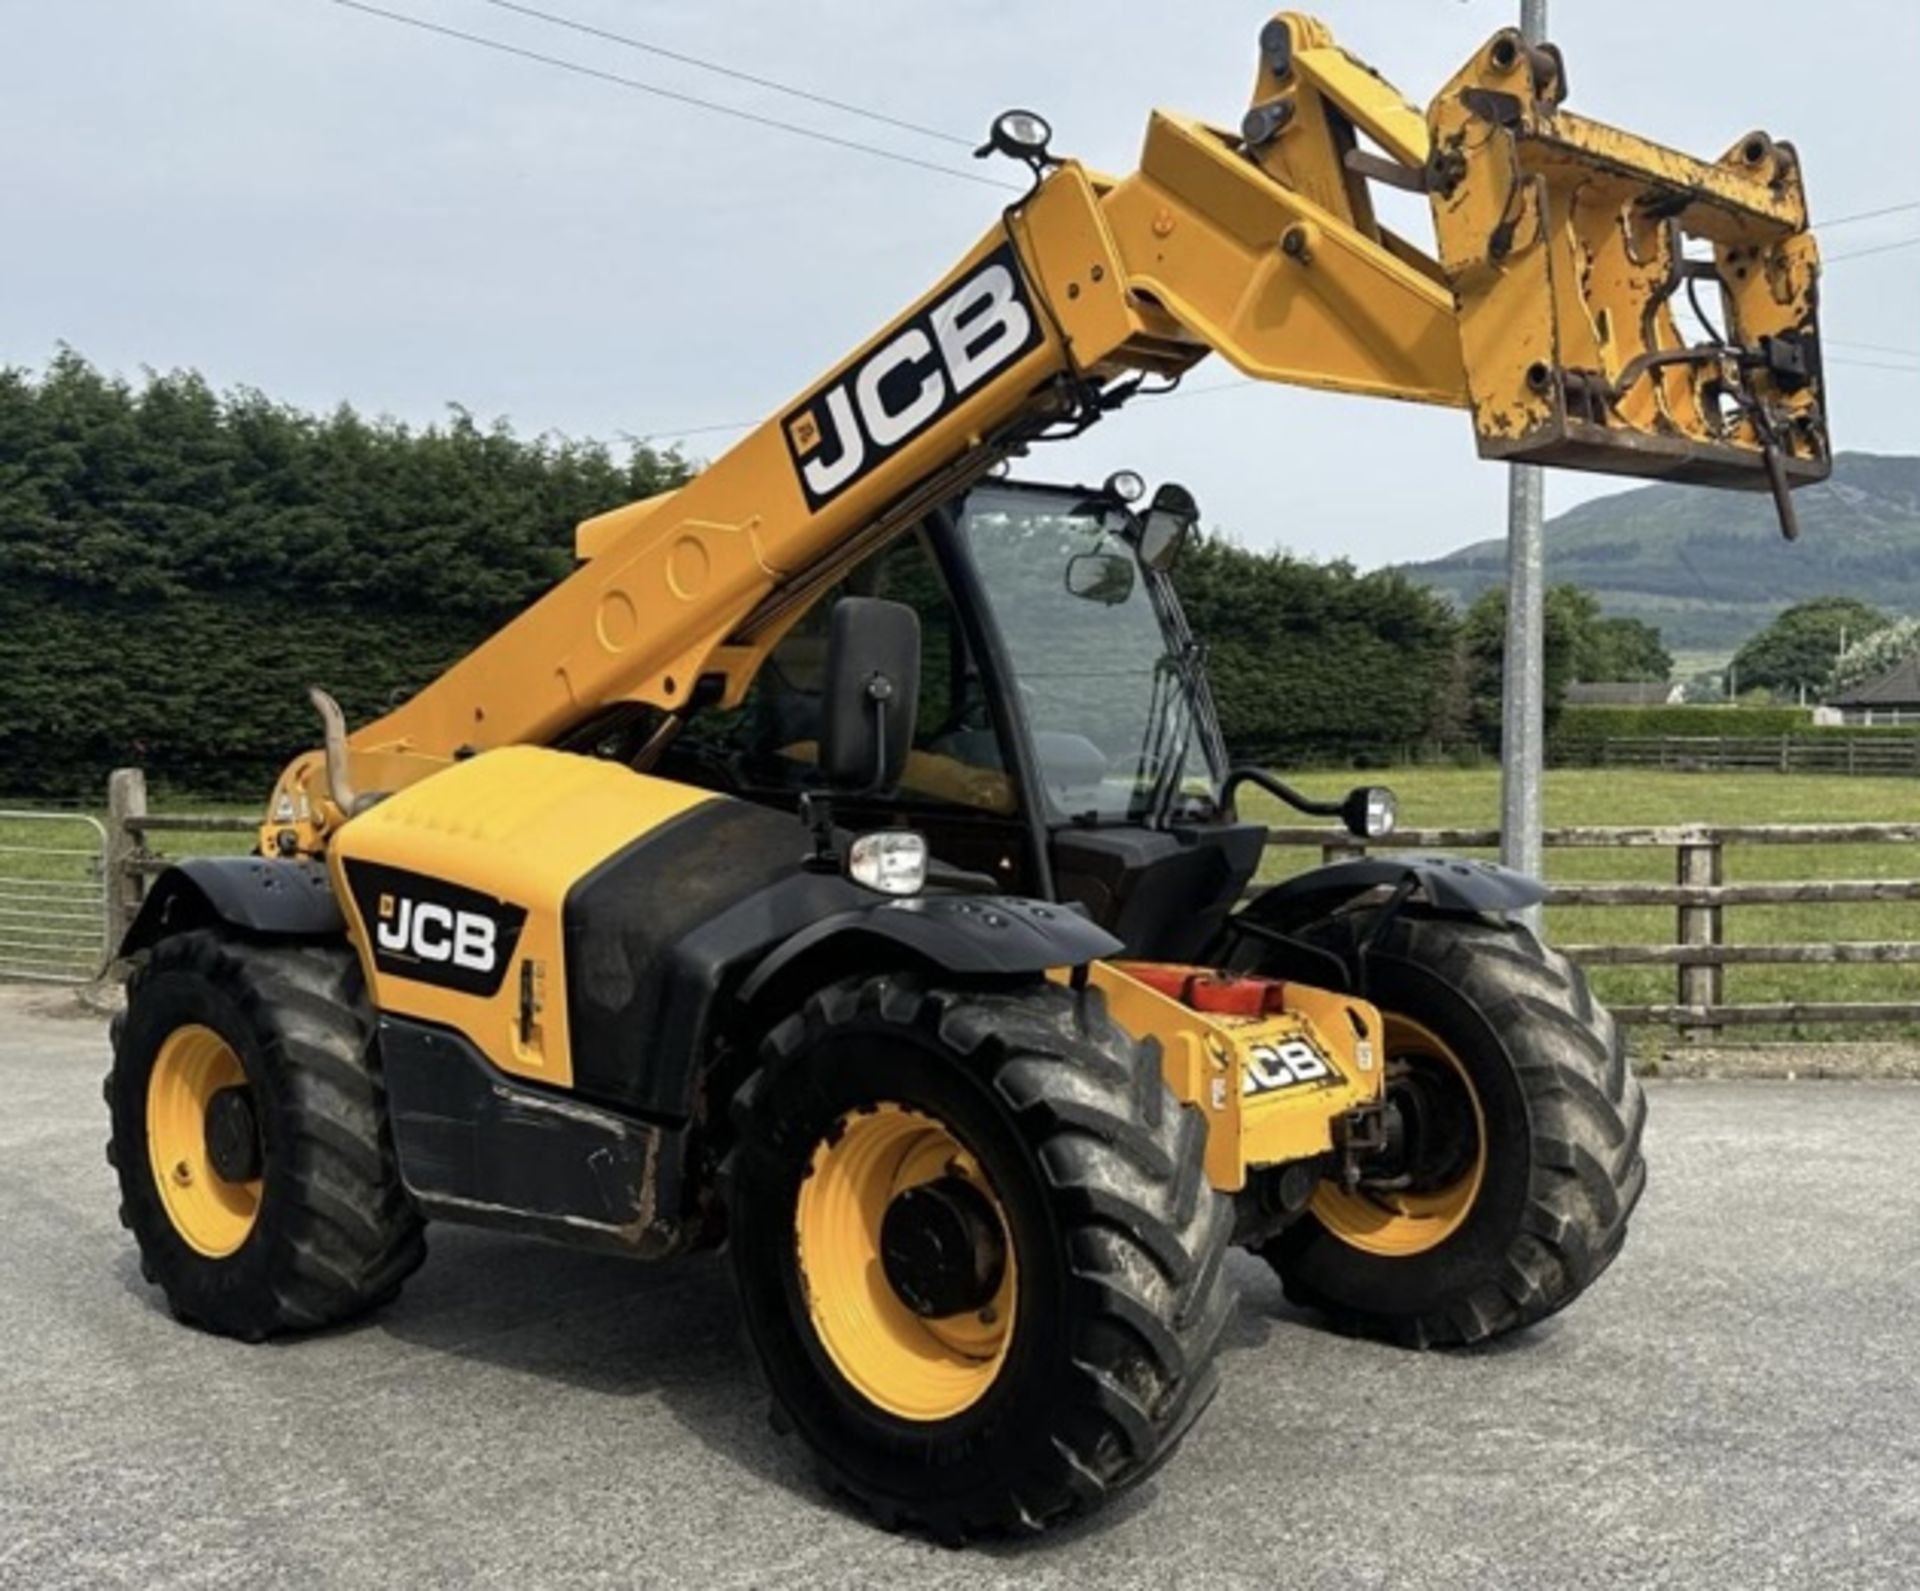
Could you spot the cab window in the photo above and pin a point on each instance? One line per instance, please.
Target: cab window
(769, 746)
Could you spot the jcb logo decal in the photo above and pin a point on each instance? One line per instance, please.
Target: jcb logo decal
(437, 933)
(434, 931)
(849, 428)
(1284, 1065)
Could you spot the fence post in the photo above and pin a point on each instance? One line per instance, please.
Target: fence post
(125, 884)
(1699, 863)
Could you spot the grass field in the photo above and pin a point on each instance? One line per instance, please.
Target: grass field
(1470, 798)
(1451, 797)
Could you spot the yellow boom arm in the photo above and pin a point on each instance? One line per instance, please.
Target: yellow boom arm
(1546, 309)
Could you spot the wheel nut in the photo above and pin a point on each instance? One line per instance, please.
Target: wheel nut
(183, 1173)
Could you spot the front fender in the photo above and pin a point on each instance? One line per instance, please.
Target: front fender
(254, 894)
(966, 935)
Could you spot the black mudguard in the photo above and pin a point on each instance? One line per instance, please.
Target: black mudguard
(255, 895)
(1451, 886)
(968, 936)
(1259, 935)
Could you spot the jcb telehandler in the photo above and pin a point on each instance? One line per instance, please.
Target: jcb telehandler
(842, 864)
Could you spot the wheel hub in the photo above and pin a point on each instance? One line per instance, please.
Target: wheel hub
(1423, 1182)
(908, 1263)
(943, 1249)
(1432, 1135)
(233, 1135)
(203, 1140)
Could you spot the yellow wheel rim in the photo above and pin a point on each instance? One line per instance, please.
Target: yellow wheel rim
(211, 1214)
(1400, 1224)
(911, 1366)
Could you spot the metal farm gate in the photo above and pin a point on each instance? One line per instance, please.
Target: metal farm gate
(53, 896)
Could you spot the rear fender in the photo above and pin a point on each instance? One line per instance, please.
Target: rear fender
(1435, 886)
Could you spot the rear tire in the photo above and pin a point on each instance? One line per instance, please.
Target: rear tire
(331, 1231)
(1116, 1245)
(1563, 1116)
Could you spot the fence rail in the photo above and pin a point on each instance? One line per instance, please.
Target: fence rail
(1788, 753)
(90, 909)
(1700, 897)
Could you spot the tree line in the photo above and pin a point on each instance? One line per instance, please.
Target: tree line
(1823, 647)
(178, 563)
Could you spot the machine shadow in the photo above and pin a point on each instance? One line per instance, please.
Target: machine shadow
(614, 1327)
(603, 1324)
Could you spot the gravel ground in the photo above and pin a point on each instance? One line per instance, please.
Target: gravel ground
(1735, 1405)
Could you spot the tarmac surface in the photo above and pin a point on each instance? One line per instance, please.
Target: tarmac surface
(1736, 1404)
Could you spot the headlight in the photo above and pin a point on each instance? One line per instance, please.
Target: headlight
(894, 861)
(1371, 812)
(1383, 812)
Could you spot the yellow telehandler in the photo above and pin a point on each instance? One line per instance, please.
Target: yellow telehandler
(841, 865)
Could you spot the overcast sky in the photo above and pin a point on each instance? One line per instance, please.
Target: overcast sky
(293, 196)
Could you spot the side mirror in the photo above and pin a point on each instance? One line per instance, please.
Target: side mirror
(1104, 577)
(872, 689)
(1169, 520)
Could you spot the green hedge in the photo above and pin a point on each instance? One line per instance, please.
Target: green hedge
(1589, 726)
(1629, 723)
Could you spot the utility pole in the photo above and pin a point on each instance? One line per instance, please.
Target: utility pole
(1523, 709)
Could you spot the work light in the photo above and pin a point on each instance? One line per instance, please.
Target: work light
(892, 861)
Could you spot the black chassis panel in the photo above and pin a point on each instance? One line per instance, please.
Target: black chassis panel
(668, 940)
(479, 1147)
(1164, 894)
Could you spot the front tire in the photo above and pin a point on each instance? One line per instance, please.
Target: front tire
(1496, 1041)
(1071, 1185)
(257, 1171)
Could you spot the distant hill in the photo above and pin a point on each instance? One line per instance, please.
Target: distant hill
(1710, 568)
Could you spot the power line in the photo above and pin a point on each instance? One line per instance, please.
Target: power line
(501, 47)
(1876, 348)
(1874, 364)
(1866, 215)
(687, 431)
(1878, 248)
(631, 43)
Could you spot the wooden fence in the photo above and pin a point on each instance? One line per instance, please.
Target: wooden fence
(1788, 753)
(1700, 897)
(131, 859)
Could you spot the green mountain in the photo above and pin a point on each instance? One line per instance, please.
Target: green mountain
(1710, 567)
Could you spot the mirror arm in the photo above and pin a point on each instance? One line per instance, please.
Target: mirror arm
(1279, 790)
(879, 689)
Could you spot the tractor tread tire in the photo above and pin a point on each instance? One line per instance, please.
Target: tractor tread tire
(1587, 1115)
(337, 1233)
(1144, 1234)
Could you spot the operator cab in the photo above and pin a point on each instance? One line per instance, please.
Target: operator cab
(1065, 744)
